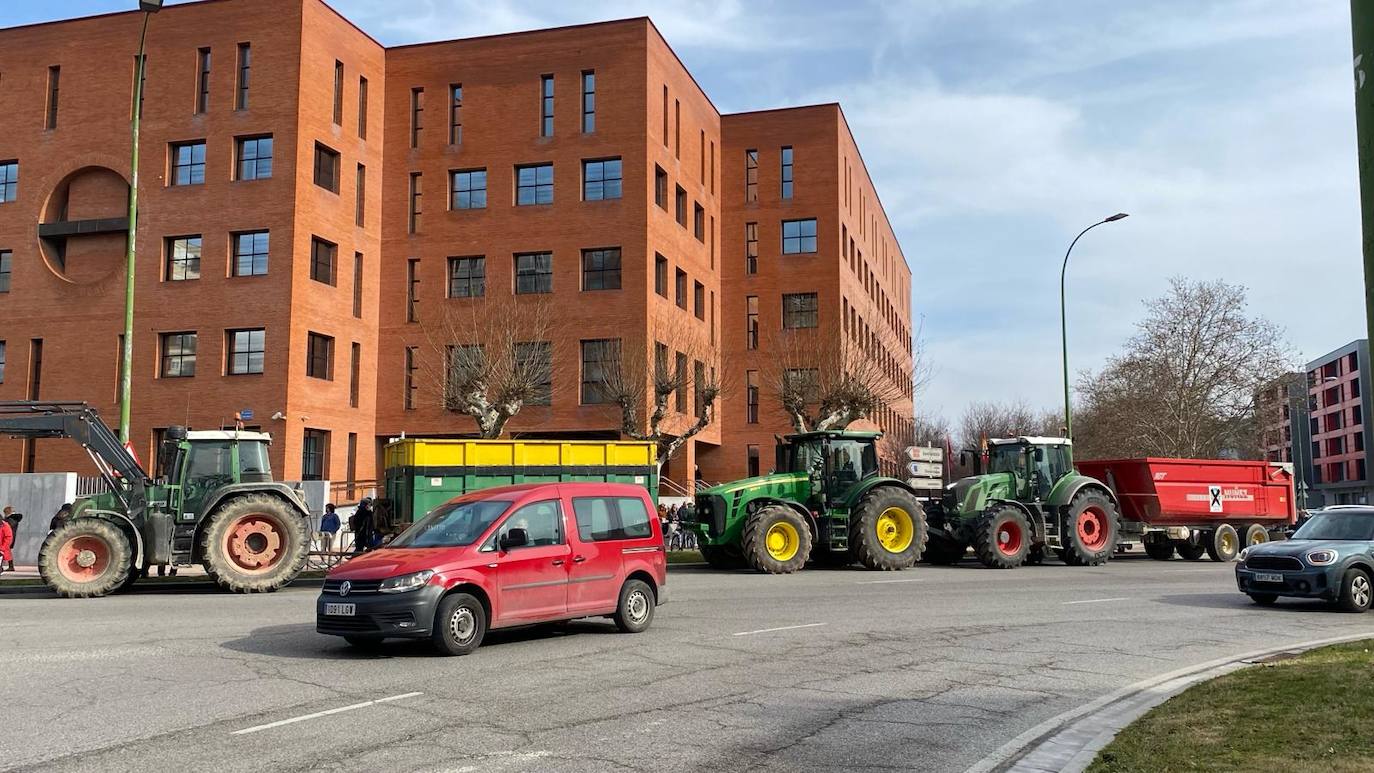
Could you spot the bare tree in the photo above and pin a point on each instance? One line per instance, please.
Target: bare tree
(1186, 385)
(931, 430)
(490, 358)
(990, 420)
(822, 381)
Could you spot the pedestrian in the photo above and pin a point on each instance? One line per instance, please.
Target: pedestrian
(329, 526)
(64, 514)
(13, 519)
(6, 544)
(361, 525)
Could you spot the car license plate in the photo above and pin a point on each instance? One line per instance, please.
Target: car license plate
(1266, 577)
(343, 610)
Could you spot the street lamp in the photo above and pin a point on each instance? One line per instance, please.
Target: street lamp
(1063, 318)
(148, 7)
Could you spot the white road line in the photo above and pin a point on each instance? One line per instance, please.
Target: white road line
(784, 628)
(1096, 601)
(319, 714)
(884, 582)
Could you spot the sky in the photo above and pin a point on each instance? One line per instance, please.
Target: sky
(995, 130)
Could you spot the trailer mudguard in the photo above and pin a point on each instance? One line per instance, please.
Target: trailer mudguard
(1068, 487)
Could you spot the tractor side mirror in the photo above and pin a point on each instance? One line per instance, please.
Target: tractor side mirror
(515, 538)
(1039, 454)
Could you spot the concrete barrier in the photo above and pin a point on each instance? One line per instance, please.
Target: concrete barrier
(38, 496)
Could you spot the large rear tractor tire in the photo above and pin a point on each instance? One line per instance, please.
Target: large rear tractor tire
(1002, 537)
(1224, 544)
(941, 551)
(1159, 551)
(776, 540)
(722, 556)
(888, 530)
(254, 543)
(86, 557)
(1090, 529)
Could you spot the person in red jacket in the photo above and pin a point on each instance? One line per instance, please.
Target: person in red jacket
(6, 544)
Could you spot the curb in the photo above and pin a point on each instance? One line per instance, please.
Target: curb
(1068, 742)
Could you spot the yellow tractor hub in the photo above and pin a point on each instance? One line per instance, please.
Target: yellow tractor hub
(895, 530)
(782, 541)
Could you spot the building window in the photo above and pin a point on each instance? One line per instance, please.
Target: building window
(677, 128)
(412, 289)
(408, 399)
(203, 80)
(246, 351)
(254, 158)
(323, 260)
(601, 269)
(546, 106)
(314, 451)
(751, 248)
(751, 322)
(660, 187)
(699, 222)
(588, 101)
(799, 310)
(752, 466)
(360, 196)
(183, 258)
(751, 176)
(455, 113)
(178, 355)
(680, 287)
(601, 179)
(417, 115)
(787, 171)
(9, 180)
(805, 381)
(6, 267)
(362, 108)
(680, 396)
(751, 397)
(699, 300)
(534, 184)
(245, 67)
(798, 236)
(338, 92)
(319, 356)
(355, 356)
(660, 275)
(533, 273)
(681, 213)
(469, 189)
(250, 253)
(188, 163)
(600, 362)
(55, 74)
(534, 359)
(358, 285)
(413, 216)
(2, 362)
(326, 167)
(467, 277)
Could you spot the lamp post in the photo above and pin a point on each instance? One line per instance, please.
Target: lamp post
(1063, 318)
(148, 7)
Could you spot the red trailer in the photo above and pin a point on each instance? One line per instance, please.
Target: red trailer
(1196, 506)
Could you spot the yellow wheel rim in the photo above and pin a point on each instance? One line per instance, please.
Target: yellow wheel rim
(895, 530)
(782, 541)
(1228, 543)
(1259, 538)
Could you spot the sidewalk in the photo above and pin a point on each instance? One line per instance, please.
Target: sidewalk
(30, 573)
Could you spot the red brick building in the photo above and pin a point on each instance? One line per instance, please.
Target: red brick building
(310, 199)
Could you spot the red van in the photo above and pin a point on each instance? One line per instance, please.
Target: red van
(504, 557)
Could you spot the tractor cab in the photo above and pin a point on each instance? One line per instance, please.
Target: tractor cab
(1035, 464)
(834, 461)
(195, 464)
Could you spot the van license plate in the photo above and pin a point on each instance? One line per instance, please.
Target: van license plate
(343, 610)
(1261, 577)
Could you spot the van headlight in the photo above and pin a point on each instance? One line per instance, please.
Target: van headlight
(1321, 557)
(406, 582)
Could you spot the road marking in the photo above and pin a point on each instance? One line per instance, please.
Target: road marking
(884, 582)
(326, 713)
(1097, 601)
(784, 628)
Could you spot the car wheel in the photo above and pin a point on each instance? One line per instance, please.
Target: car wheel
(636, 609)
(459, 625)
(1264, 599)
(1357, 591)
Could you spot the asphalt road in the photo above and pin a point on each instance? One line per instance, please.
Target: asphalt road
(929, 669)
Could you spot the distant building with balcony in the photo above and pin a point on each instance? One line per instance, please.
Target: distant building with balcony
(1338, 402)
(1284, 407)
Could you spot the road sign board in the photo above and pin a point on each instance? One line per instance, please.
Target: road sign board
(929, 484)
(925, 454)
(925, 469)
(246, 414)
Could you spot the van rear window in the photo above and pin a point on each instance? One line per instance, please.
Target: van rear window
(604, 519)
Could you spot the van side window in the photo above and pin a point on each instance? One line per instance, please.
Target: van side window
(542, 522)
(605, 519)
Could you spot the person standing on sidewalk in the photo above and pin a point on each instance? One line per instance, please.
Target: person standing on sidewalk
(6, 545)
(329, 526)
(13, 520)
(64, 514)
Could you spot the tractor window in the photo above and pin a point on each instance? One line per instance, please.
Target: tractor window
(1006, 458)
(803, 457)
(1057, 462)
(253, 459)
(851, 460)
(210, 459)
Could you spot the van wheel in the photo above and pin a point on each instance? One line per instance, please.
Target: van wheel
(1356, 591)
(459, 625)
(636, 609)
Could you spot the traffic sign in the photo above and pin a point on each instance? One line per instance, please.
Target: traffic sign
(929, 484)
(925, 454)
(246, 414)
(925, 469)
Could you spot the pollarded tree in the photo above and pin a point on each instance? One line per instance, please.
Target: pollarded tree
(823, 381)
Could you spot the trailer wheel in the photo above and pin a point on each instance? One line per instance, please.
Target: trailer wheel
(1224, 544)
(1159, 551)
(1090, 529)
(776, 540)
(941, 551)
(254, 543)
(888, 530)
(1002, 537)
(85, 557)
(1190, 551)
(721, 556)
(1256, 534)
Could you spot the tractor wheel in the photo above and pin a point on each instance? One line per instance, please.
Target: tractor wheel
(1190, 551)
(135, 575)
(943, 552)
(776, 540)
(1255, 535)
(888, 529)
(1090, 529)
(1159, 551)
(86, 557)
(1224, 544)
(721, 556)
(1002, 537)
(253, 543)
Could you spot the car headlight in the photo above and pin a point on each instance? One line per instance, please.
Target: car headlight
(406, 582)
(1243, 553)
(1321, 557)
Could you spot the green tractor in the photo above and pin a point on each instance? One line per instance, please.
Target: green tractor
(1029, 500)
(825, 500)
(217, 505)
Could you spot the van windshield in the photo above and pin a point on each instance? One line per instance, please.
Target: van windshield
(1357, 526)
(452, 525)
